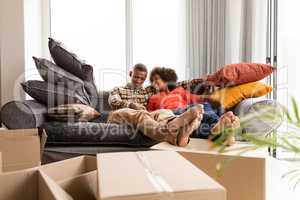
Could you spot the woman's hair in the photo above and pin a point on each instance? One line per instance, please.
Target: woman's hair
(168, 75)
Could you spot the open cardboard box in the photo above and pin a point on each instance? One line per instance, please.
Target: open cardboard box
(245, 176)
(153, 175)
(1, 163)
(30, 184)
(77, 176)
(22, 148)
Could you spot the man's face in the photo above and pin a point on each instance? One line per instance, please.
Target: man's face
(138, 77)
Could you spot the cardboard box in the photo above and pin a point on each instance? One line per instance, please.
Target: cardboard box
(244, 178)
(30, 184)
(77, 176)
(153, 175)
(21, 149)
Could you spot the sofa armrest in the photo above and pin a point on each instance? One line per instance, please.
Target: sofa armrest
(258, 126)
(23, 114)
(244, 106)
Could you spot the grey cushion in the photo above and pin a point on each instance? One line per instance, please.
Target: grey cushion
(23, 114)
(256, 125)
(53, 74)
(91, 133)
(90, 86)
(53, 95)
(66, 59)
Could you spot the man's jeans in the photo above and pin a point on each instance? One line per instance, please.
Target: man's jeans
(210, 118)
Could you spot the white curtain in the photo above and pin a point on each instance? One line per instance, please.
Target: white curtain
(221, 32)
(205, 35)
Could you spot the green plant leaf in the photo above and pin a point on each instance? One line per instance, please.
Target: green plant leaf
(295, 109)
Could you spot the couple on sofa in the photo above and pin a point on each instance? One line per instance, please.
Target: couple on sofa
(166, 110)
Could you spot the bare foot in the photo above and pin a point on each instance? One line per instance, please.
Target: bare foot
(186, 118)
(227, 120)
(185, 132)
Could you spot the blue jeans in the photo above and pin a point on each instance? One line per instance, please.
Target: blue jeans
(210, 118)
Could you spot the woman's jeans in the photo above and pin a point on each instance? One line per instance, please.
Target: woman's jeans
(210, 118)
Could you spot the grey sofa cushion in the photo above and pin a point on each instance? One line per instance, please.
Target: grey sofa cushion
(23, 114)
(92, 133)
(71, 63)
(66, 59)
(52, 95)
(256, 125)
(90, 86)
(51, 73)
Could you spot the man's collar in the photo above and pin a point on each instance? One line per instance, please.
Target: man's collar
(131, 86)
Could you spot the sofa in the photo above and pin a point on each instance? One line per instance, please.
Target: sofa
(71, 80)
(69, 139)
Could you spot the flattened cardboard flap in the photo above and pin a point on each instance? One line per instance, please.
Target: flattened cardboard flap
(153, 174)
(22, 148)
(49, 190)
(71, 167)
(77, 176)
(19, 185)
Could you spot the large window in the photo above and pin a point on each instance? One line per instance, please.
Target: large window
(114, 35)
(288, 50)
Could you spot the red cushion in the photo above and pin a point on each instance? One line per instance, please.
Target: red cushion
(236, 74)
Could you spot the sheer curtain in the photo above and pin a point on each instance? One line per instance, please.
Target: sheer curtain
(206, 28)
(220, 32)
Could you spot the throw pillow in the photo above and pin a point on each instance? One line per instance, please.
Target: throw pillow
(54, 74)
(231, 96)
(90, 86)
(236, 74)
(53, 95)
(66, 59)
(73, 112)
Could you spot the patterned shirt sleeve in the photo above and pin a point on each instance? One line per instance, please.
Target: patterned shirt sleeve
(150, 90)
(115, 100)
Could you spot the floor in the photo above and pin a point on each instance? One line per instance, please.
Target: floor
(280, 185)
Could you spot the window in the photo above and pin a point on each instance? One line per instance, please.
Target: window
(159, 33)
(288, 50)
(97, 30)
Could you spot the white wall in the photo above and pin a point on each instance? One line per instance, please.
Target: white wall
(21, 37)
(12, 47)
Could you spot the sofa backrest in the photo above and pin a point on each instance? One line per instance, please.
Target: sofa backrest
(103, 101)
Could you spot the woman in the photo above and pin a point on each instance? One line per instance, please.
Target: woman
(179, 100)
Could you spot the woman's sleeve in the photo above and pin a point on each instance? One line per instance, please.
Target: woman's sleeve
(151, 104)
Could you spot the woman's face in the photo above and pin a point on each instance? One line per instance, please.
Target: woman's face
(158, 83)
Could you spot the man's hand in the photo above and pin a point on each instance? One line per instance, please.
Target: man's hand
(137, 106)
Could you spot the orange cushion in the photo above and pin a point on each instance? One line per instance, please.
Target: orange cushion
(231, 96)
(236, 74)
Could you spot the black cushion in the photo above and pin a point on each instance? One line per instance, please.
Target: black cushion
(53, 74)
(52, 95)
(66, 59)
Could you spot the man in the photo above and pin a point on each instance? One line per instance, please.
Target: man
(162, 125)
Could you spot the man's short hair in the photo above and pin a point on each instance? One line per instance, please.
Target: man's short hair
(140, 67)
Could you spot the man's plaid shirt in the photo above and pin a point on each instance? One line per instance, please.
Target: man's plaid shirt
(121, 97)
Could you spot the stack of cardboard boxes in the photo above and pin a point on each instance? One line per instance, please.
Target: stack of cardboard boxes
(158, 174)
